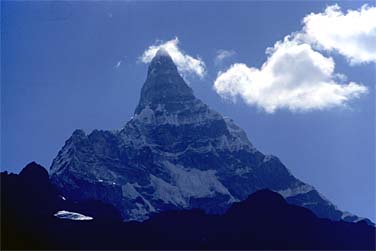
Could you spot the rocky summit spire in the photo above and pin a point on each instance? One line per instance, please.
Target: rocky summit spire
(163, 84)
(175, 153)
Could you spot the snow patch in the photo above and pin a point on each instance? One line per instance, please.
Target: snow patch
(289, 192)
(196, 183)
(268, 158)
(146, 115)
(140, 213)
(346, 214)
(186, 184)
(167, 192)
(198, 114)
(309, 203)
(67, 215)
(238, 133)
(129, 191)
(243, 170)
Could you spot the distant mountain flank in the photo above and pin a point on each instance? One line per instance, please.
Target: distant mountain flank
(175, 153)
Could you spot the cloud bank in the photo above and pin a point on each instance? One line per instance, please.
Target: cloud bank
(185, 63)
(352, 34)
(295, 75)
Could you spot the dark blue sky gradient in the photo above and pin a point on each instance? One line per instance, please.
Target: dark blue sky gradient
(58, 74)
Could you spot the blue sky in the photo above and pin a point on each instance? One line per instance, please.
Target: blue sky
(61, 71)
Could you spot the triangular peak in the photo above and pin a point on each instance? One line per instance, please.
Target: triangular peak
(164, 84)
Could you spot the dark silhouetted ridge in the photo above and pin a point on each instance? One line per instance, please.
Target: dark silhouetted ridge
(263, 221)
(34, 171)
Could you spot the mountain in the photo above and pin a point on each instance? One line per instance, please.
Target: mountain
(175, 153)
(30, 194)
(264, 220)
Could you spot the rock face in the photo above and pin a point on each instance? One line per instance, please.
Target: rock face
(175, 153)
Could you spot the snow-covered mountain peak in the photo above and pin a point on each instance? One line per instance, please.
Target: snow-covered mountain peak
(175, 153)
(163, 84)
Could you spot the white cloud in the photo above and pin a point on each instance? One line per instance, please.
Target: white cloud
(294, 77)
(185, 63)
(222, 55)
(352, 34)
(118, 64)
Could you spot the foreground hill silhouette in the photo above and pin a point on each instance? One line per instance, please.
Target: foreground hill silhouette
(263, 221)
